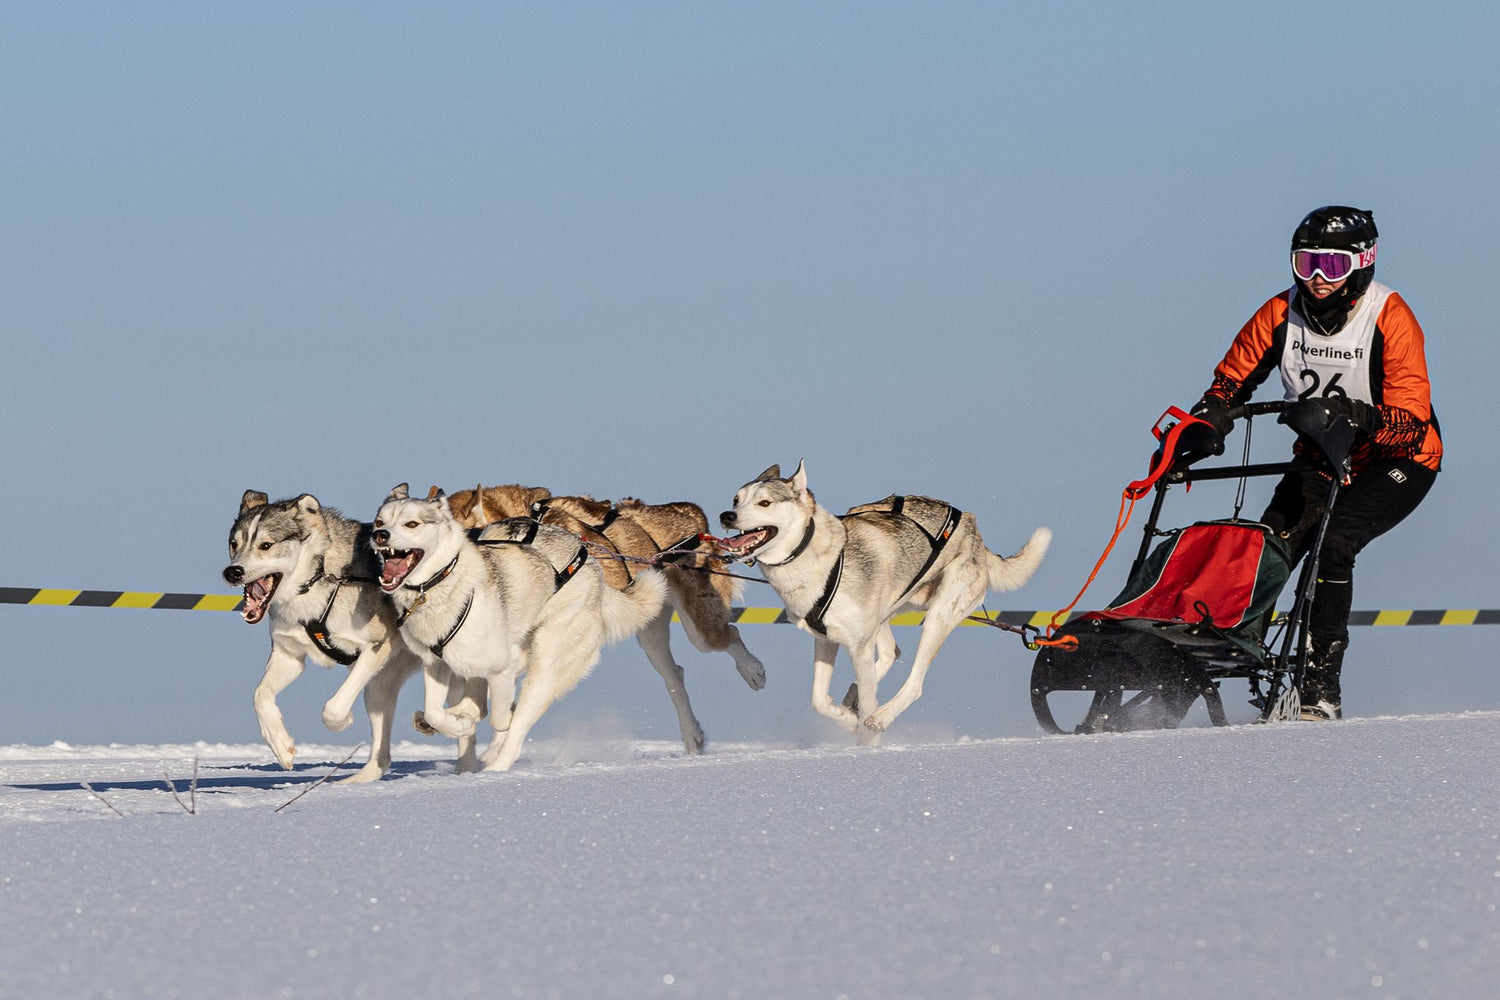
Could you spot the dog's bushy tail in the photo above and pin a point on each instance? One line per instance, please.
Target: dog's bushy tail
(627, 611)
(1009, 574)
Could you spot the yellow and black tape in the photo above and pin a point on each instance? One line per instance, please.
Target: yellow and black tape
(120, 599)
(740, 616)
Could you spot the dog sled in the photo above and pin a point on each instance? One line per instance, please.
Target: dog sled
(1197, 608)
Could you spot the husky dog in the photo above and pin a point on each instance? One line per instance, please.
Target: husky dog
(522, 600)
(311, 570)
(624, 537)
(843, 578)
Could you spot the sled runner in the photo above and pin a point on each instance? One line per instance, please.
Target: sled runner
(1198, 606)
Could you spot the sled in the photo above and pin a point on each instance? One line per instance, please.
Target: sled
(1198, 605)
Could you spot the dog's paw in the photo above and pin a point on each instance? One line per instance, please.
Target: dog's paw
(838, 713)
(335, 722)
(370, 772)
(286, 754)
(753, 672)
(692, 743)
(281, 744)
(452, 726)
(468, 711)
(420, 724)
(876, 721)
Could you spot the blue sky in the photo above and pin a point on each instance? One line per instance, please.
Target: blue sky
(968, 250)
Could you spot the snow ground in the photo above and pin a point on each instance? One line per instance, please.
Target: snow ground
(1359, 859)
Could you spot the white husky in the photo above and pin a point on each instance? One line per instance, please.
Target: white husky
(522, 603)
(310, 570)
(842, 578)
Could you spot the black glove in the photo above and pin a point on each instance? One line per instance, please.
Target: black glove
(1216, 413)
(1359, 413)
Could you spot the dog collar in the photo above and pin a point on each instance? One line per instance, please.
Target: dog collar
(442, 575)
(422, 589)
(801, 547)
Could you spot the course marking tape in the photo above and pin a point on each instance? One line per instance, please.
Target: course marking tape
(740, 616)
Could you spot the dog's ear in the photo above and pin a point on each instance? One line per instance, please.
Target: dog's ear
(436, 493)
(308, 504)
(463, 508)
(253, 499)
(399, 492)
(774, 472)
(799, 478)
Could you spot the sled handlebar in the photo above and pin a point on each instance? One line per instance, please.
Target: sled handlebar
(1257, 409)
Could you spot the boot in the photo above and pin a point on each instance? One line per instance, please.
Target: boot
(1319, 690)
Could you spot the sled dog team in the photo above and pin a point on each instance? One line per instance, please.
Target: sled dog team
(502, 598)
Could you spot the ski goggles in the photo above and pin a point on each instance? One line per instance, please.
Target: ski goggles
(1333, 265)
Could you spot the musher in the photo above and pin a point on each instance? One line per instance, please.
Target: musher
(1339, 335)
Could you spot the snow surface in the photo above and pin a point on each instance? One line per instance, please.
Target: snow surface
(1358, 859)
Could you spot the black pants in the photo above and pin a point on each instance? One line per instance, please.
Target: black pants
(1374, 503)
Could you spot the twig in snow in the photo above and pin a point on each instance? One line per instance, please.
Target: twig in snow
(193, 789)
(172, 787)
(90, 789)
(325, 777)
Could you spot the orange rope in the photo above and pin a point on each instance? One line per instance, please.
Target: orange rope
(1127, 507)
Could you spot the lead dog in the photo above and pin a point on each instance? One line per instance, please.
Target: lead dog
(843, 578)
(624, 537)
(522, 603)
(311, 571)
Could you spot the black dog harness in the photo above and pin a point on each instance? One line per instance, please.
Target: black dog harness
(317, 629)
(560, 578)
(539, 507)
(815, 617)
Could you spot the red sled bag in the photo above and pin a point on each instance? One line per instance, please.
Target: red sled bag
(1225, 574)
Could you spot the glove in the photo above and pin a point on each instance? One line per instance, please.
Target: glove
(1359, 413)
(1216, 413)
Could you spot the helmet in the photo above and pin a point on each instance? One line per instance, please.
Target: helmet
(1336, 227)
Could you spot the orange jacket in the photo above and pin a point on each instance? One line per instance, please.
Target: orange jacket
(1409, 429)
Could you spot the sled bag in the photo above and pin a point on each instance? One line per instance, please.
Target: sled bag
(1225, 573)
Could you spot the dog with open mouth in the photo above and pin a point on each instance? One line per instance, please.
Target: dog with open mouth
(843, 578)
(521, 604)
(624, 537)
(311, 572)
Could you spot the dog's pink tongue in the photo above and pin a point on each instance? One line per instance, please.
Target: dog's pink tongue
(394, 570)
(257, 593)
(744, 539)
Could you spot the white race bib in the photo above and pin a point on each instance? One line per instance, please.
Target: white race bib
(1315, 365)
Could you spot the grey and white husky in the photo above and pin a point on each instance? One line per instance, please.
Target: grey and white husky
(310, 570)
(522, 603)
(633, 533)
(843, 578)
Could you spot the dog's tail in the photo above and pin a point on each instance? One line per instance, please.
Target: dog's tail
(1012, 573)
(627, 611)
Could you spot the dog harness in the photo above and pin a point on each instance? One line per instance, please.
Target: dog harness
(539, 507)
(317, 629)
(422, 589)
(560, 577)
(815, 617)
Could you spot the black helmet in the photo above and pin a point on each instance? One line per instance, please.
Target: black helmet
(1336, 227)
